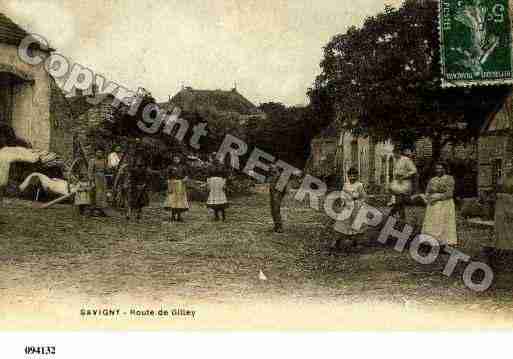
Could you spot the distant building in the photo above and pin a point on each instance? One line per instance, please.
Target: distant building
(336, 150)
(323, 149)
(85, 112)
(229, 109)
(189, 99)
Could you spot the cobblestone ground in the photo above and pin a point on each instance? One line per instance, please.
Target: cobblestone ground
(55, 251)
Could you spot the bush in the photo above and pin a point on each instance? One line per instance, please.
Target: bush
(375, 188)
(197, 191)
(239, 185)
(472, 207)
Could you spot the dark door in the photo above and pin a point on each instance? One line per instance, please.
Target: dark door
(5, 98)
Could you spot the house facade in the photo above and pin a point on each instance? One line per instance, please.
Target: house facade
(495, 148)
(79, 115)
(25, 90)
(334, 152)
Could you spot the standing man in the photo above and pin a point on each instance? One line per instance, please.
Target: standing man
(402, 185)
(137, 187)
(276, 196)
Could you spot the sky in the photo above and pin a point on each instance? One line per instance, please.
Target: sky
(271, 49)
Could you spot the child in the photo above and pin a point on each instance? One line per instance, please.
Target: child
(217, 200)
(83, 194)
(177, 201)
(355, 196)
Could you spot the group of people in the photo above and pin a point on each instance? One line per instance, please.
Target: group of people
(131, 176)
(440, 215)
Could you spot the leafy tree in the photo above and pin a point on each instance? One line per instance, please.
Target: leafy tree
(219, 124)
(384, 80)
(285, 132)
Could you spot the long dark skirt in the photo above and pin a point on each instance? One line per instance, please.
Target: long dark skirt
(138, 198)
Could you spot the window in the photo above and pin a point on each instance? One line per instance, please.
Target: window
(382, 177)
(497, 171)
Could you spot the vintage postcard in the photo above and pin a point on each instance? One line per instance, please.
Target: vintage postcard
(255, 165)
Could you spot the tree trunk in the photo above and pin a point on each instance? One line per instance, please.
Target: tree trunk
(436, 147)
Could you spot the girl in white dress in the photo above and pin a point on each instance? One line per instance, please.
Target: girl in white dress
(354, 197)
(217, 200)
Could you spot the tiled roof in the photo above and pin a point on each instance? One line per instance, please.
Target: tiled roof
(11, 33)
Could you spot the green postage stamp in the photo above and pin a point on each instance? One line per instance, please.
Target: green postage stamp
(475, 42)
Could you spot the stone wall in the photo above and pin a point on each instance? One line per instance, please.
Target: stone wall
(424, 150)
(30, 98)
(62, 123)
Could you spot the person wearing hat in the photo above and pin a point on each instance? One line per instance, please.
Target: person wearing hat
(402, 184)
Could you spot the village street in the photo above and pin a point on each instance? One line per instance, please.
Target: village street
(58, 263)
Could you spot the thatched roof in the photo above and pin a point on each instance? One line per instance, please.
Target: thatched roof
(190, 99)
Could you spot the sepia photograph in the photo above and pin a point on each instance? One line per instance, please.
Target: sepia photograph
(244, 165)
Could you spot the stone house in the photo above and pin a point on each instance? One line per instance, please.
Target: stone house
(334, 151)
(495, 148)
(322, 153)
(26, 91)
(462, 161)
(89, 112)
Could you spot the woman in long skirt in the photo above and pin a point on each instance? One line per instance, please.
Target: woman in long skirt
(440, 217)
(97, 172)
(354, 197)
(176, 201)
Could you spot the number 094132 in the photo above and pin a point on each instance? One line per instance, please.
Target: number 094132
(40, 350)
